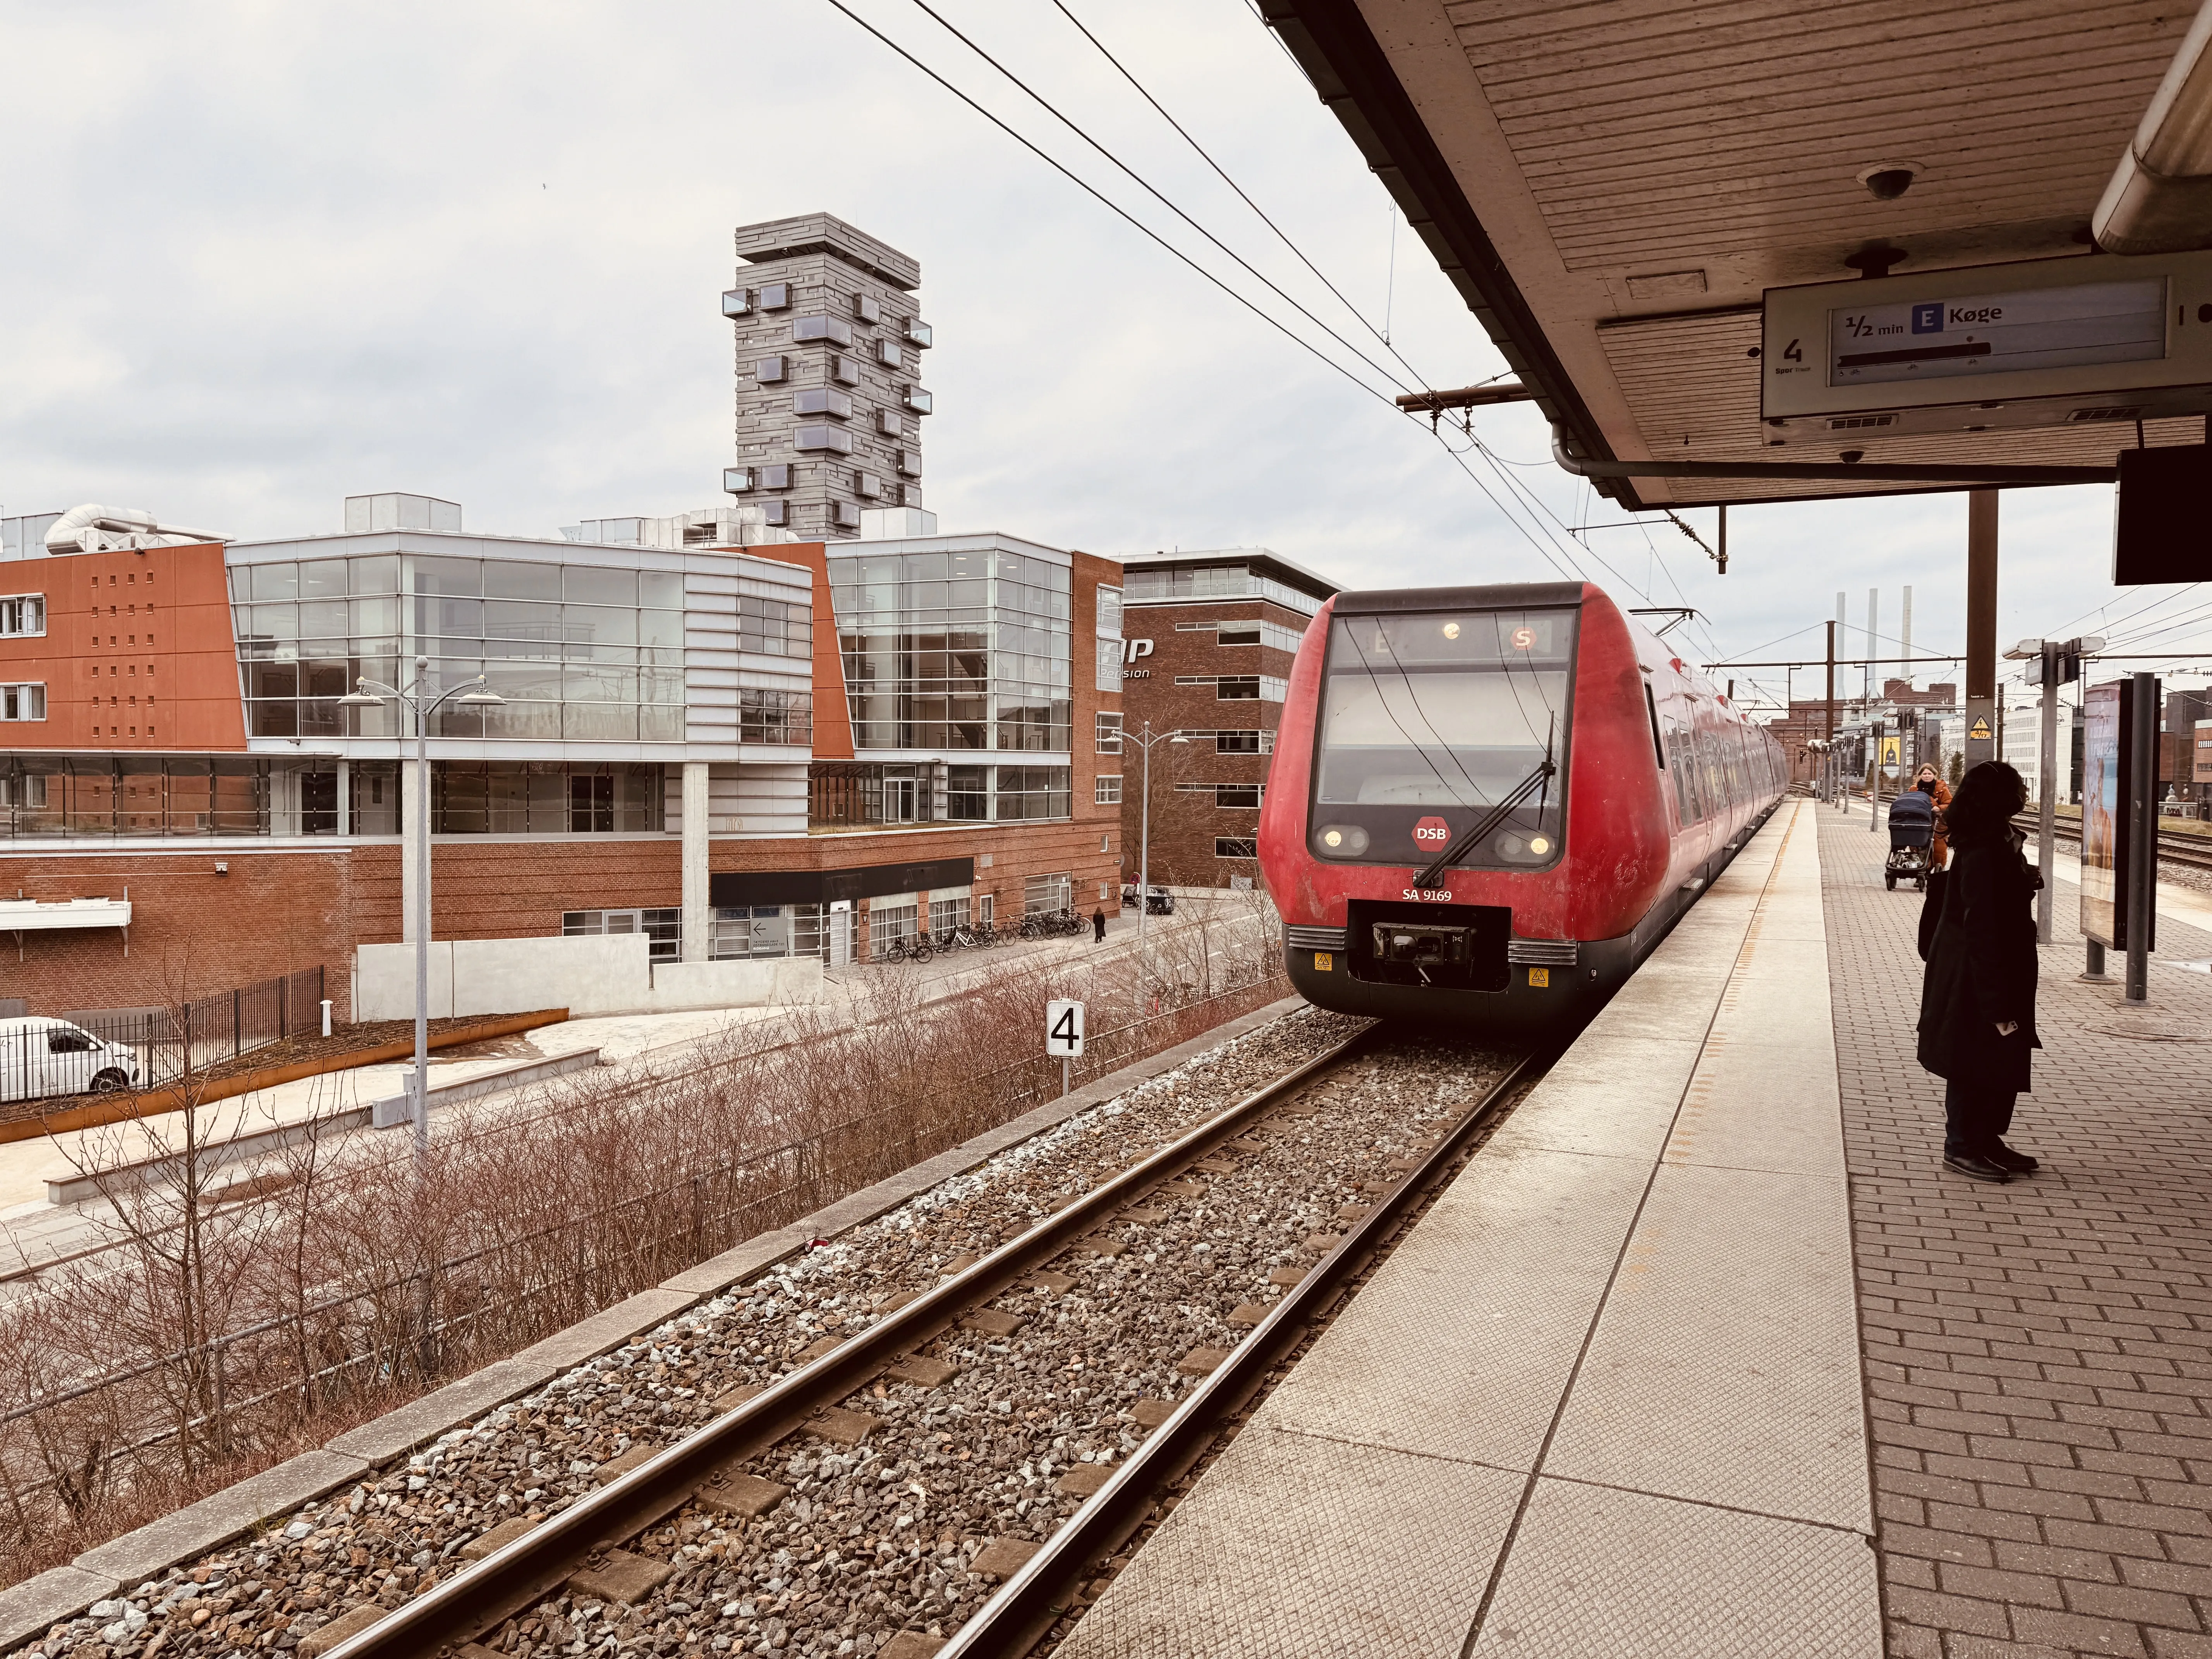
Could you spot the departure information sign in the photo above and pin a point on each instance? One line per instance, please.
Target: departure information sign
(1977, 334)
(2103, 341)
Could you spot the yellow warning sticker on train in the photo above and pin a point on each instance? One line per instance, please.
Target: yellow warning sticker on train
(1324, 960)
(1540, 978)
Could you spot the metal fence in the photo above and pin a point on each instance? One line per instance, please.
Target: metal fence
(146, 1047)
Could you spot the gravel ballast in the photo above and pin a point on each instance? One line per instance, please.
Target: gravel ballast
(921, 1493)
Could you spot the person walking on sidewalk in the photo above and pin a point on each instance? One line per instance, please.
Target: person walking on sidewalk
(1929, 784)
(1099, 926)
(1978, 999)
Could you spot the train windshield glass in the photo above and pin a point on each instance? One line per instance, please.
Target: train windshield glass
(1428, 721)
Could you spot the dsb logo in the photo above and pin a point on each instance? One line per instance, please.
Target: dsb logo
(1432, 831)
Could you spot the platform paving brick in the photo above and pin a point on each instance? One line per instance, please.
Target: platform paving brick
(2037, 1355)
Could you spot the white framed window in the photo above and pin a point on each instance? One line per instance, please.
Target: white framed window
(1108, 792)
(1110, 732)
(1109, 665)
(1236, 847)
(23, 702)
(22, 614)
(1109, 613)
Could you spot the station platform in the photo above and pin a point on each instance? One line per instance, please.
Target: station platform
(1704, 1353)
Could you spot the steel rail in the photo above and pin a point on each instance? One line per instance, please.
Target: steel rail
(1043, 1589)
(2174, 846)
(481, 1597)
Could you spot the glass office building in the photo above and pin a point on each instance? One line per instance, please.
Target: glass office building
(955, 650)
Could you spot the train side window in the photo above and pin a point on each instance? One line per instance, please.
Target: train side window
(1683, 764)
(1658, 743)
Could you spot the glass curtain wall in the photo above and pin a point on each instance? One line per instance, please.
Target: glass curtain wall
(580, 651)
(955, 651)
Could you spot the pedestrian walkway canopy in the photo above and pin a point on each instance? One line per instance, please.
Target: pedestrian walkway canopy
(1615, 185)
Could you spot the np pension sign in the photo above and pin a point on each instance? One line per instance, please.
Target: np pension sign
(1063, 1030)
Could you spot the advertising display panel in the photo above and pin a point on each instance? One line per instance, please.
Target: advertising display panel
(2107, 729)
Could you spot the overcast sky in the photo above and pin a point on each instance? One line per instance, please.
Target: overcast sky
(261, 257)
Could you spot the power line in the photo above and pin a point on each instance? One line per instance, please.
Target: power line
(1280, 234)
(1545, 552)
(1053, 110)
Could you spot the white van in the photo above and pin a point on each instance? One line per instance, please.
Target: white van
(41, 1057)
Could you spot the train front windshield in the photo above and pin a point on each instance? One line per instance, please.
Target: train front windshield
(1428, 721)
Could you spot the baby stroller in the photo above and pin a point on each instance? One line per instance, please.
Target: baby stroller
(1912, 833)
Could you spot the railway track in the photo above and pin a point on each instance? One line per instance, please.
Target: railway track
(2174, 846)
(1008, 1421)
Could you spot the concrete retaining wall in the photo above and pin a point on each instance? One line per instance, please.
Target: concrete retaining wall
(611, 974)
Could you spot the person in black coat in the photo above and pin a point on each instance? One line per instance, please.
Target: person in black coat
(1977, 998)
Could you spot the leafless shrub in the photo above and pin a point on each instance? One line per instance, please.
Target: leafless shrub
(243, 1312)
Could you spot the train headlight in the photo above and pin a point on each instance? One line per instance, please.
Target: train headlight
(1343, 840)
(1451, 630)
(1539, 845)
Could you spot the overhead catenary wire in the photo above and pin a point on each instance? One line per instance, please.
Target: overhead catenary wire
(1114, 207)
(1245, 197)
(1146, 184)
(1122, 213)
(1382, 334)
(1554, 550)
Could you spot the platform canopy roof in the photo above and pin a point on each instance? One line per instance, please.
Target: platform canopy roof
(1614, 184)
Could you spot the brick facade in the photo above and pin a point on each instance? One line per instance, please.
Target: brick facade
(138, 654)
(1186, 824)
(194, 932)
(278, 912)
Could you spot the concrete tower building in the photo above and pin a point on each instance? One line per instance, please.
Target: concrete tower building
(829, 398)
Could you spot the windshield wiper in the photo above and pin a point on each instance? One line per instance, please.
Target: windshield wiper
(1434, 874)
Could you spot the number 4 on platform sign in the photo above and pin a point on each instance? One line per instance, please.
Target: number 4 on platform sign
(1063, 1030)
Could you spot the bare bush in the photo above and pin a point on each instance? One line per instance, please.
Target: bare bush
(244, 1311)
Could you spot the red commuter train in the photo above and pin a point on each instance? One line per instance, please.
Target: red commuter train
(1487, 805)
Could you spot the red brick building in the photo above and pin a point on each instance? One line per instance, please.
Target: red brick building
(1210, 640)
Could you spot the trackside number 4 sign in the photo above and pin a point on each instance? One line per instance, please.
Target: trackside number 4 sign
(1063, 1030)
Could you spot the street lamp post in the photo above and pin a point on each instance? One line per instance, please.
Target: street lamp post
(373, 694)
(1145, 742)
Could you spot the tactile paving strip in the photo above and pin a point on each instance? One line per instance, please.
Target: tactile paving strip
(1733, 1116)
(1725, 1368)
(1460, 1345)
(1289, 1547)
(1597, 1573)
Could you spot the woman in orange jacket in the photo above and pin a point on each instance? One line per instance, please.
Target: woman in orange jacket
(1930, 784)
